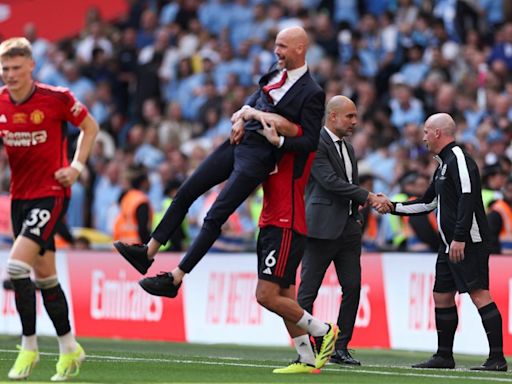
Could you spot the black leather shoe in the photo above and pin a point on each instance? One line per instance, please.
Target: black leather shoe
(160, 285)
(494, 364)
(342, 356)
(135, 254)
(437, 361)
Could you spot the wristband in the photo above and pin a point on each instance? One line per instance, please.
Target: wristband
(77, 165)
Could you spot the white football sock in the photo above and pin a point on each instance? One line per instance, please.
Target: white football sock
(314, 326)
(29, 342)
(67, 343)
(304, 349)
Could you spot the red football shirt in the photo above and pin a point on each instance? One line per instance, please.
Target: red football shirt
(283, 193)
(34, 136)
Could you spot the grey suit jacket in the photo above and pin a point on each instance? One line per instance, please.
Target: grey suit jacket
(329, 192)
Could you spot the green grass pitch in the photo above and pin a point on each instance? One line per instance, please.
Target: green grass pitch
(118, 361)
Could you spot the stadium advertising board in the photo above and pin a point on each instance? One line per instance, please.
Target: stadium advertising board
(217, 305)
(108, 302)
(54, 19)
(9, 320)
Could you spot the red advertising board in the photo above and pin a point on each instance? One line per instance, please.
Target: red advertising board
(500, 287)
(371, 328)
(108, 302)
(54, 19)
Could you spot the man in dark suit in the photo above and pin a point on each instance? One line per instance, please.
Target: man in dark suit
(334, 224)
(287, 90)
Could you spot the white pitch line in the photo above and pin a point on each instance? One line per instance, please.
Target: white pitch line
(99, 358)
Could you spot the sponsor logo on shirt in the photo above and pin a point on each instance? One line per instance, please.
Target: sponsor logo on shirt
(19, 118)
(23, 139)
(37, 116)
(76, 108)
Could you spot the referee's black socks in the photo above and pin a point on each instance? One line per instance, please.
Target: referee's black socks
(447, 320)
(491, 319)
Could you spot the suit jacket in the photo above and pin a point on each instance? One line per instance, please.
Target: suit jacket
(329, 192)
(303, 104)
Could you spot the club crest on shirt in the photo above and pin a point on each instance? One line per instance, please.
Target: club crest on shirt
(37, 116)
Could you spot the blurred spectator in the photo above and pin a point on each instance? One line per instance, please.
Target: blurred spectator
(134, 220)
(500, 221)
(414, 233)
(94, 39)
(405, 108)
(174, 129)
(146, 31)
(78, 84)
(493, 180)
(148, 153)
(502, 50)
(106, 196)
(415, 69)
(39, 45)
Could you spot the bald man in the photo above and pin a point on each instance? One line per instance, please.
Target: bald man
(333, 197)
(463, 258)
(288, 99)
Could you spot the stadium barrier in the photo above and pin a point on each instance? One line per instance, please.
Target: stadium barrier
(216, 303)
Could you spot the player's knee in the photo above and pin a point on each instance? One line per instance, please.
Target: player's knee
(17, 269)
(265, 298)
(47, 282)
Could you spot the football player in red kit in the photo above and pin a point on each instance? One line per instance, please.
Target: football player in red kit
(33, 120)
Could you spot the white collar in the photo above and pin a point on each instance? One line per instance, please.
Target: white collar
(297, 73)
(333, 137)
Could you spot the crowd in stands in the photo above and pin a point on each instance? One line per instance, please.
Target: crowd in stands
(164, 80)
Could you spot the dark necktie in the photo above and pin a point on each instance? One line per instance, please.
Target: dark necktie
(348, 166)
(269, 87)
(346, 159)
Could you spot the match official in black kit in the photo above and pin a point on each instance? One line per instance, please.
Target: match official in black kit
(463, 257)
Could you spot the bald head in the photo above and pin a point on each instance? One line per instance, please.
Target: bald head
(337, 103)
(341, 116)
(444, 122)
(439, 130)
(291, 47)
(296, 34)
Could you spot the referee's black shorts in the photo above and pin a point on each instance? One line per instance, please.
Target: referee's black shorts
(279, 252)
(470, 274)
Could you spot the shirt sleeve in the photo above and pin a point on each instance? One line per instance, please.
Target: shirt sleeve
(75, 112)
(425, 204)
(466, 179)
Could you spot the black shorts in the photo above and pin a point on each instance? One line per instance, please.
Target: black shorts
(37, 219)
(470, 274)
(279, 252)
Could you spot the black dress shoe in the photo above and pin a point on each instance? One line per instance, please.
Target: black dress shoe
(494, 364)
(160, 285)
(342, 356)
(135, 254)
(437, 361)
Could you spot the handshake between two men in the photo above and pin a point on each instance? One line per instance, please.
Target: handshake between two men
(380, 202)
